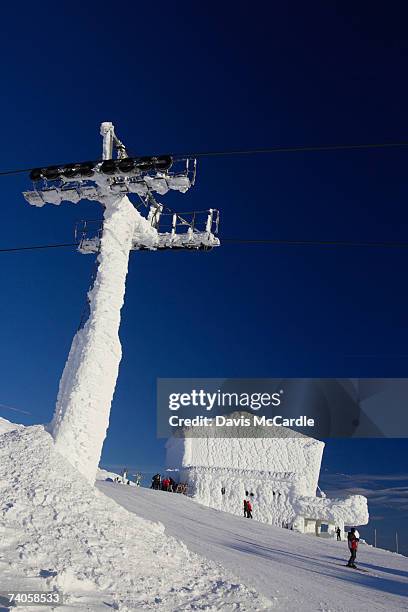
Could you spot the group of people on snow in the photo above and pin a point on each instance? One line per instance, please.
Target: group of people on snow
(125, 478)
(163, 484)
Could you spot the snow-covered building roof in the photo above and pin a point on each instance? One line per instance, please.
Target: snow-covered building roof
(286, 452)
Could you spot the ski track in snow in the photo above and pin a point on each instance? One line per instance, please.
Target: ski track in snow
(59, 532)
(299, 573)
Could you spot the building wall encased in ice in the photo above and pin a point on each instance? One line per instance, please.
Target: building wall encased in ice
(279, 474)
(298, 456)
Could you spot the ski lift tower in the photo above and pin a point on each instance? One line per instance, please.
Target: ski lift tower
(88, 381)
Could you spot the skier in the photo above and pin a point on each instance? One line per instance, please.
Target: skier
(156, 480)
(165, 484)
(248, 509)
(338, 533)
(245, 508)
(124, 475)
(353, 540)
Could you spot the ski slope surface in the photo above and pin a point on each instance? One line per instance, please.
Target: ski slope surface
(296, 572)
(58, 532)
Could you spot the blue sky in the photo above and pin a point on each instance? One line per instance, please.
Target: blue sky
(182, 77)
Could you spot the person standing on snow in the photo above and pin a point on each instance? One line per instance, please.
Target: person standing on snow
(338, 533)
(353, 540)
(245, 507)
(156, 482)
(248, 509)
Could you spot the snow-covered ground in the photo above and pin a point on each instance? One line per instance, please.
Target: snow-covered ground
(6, 426)
(102, 474)
(296, 572)
(57, 531)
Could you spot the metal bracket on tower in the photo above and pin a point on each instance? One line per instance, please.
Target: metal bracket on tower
(110, 140)
(125, 175)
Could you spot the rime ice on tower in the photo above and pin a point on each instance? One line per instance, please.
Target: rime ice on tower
(88, 382)
(281, 472)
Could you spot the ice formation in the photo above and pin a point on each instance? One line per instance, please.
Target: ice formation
(279, 474)
(88, 382)
(59, 532)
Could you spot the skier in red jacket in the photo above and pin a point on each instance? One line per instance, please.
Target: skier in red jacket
(352, 541)
(248, 509)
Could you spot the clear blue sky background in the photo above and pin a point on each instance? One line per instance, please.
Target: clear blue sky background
(182, 76)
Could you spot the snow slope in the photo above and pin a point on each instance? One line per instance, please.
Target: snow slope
(6, 425)
(102, 474)
(59, 532)
(297, 572)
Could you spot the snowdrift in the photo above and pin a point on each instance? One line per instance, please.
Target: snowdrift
(55, 525)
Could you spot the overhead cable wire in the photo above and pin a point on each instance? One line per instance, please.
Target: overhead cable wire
(38, 246)
(6, 407)
(297, 149)
(243, 241)
(340, 243)
(261, 151)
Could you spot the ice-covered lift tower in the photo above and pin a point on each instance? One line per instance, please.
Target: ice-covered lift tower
(88, 382)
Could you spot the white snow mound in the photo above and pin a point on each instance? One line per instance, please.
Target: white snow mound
(6, 426)
(57, 527)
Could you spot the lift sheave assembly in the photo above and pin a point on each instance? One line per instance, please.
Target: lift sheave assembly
(142, 176)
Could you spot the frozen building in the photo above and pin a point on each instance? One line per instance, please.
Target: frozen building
(279, 474)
